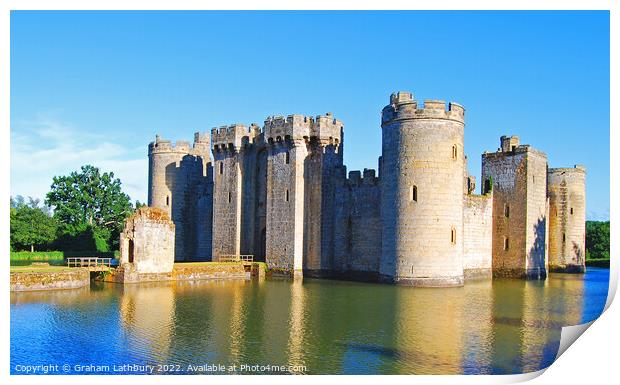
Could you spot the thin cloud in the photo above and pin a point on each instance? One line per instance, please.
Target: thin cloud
(44, 148)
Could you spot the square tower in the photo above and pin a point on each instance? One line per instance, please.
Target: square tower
(517, 176)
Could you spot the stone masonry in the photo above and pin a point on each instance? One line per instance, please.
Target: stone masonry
(567, 216)
(517, 175)
(280, 192)
(148, 242)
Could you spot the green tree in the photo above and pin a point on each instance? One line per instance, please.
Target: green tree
(597, 240)
(31, 225)
(89, 201)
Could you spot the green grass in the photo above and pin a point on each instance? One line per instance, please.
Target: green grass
(37, 255)
(40, 269)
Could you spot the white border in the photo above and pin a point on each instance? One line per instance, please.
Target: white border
(592, 360)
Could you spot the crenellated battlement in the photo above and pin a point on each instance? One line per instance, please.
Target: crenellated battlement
(325, 128)
(160, 146)
(234, 136)
(577, 169)
(509, 145)
(367, 178)
(403, 106)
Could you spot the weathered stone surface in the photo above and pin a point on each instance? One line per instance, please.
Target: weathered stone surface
(478, 235)
(69, 279)
(127, 273)
(147, 243)
(519, 182)
(422, 192)
(567, 217)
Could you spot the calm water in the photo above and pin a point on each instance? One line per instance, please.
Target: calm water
(328, 327)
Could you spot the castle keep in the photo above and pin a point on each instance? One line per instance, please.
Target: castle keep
(281, 193)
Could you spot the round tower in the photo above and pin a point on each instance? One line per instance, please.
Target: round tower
(174, 171)
(567, 219)
(422, 192)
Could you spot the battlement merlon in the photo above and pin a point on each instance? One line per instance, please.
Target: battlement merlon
(299, 127)
(327, 129)
(403, 107)
(234, 137)
(577, 169)
(367, 178)
(199, 147)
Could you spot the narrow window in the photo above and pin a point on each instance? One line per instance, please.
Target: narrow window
(571, 211)
(506, 243)
(506, 211)
(454, 152)
(287, 157)
(286, 196)
(167, 201)
(414, 193)
(563, 237)
(487, 186)
(453, 236)
(229, 197)
(221, 168)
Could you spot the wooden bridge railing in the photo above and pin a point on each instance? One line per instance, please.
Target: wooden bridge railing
(236, 258)
(89, 262)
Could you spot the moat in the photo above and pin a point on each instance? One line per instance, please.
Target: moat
(328, 327)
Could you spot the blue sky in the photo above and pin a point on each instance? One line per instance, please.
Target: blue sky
(95, 87)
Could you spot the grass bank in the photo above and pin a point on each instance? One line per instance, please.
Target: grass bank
(25, 258)
(40, 269)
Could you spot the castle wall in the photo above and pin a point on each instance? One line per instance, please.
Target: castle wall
(536, 236)
(478, 235)
(518, 175)
(567, 217)
(234, 162)
(285, 207)
(321, 171)
(361, 226)
(422, 156)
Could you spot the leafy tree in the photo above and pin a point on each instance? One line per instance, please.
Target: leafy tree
(31, 225)
(90, 202)
(597, 240)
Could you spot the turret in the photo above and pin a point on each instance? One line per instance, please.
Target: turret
(567, 219)
(174, 171)
(422, 169)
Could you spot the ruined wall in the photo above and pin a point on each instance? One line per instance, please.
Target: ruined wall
(147, 242)
(567, 218)
(179, 183)
(518, 177)
(422, 192)
(478, 235)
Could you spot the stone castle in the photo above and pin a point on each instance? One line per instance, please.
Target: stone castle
(282, 194)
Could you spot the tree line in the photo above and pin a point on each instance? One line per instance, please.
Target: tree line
(84, 211)
(597, 240)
